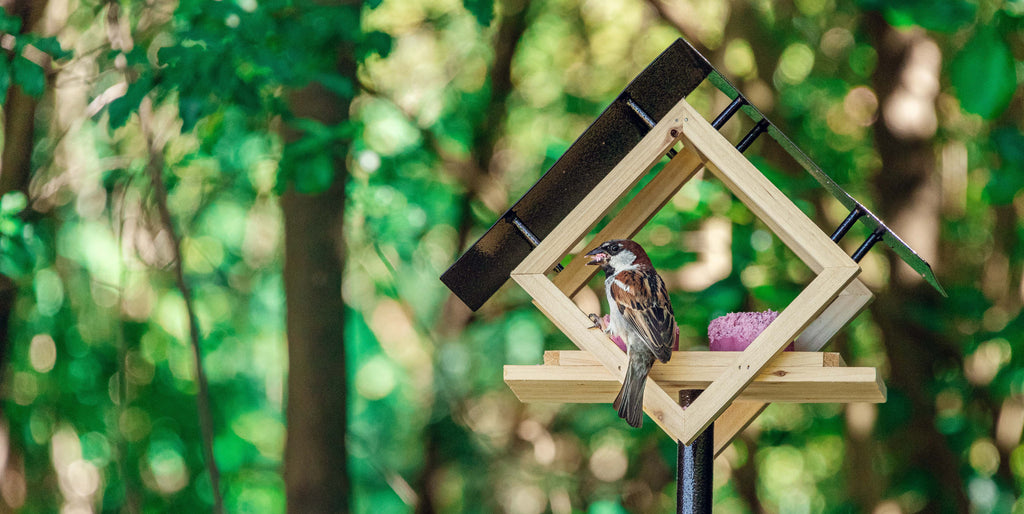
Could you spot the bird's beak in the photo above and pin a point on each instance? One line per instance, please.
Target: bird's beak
(597, 256)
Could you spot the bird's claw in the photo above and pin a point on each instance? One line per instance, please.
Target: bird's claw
(600, 322)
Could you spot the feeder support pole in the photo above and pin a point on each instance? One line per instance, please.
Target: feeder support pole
(695, 467)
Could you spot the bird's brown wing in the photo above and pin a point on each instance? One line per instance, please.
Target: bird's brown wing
(643, 300)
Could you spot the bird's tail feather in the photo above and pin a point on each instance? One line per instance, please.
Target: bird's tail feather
(630, 400)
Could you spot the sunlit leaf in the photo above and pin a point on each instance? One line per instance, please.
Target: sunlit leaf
(984, 74)
(12, 203)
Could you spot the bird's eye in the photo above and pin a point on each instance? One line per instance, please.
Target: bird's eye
(614, 248)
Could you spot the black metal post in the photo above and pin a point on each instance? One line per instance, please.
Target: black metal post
(847, 223)
(752, 135)
(695, 464)
(875, 237)
(731, 109)
(528, 234)
(720, 120)
(648, 120)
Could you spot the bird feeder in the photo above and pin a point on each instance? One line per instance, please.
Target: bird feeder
(637, 131)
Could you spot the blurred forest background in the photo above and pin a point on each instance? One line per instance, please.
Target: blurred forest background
(273, 187)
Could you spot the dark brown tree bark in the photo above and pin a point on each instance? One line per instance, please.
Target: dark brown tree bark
(316, 471)
(19, 113)
(315, 456)
(908, 199)
(745, 476)
(19, 128)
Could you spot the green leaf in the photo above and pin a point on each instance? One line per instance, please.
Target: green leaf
(375, 42)
(942, 16)
(16, 259)
(337, 84)
(51, 46)
(29, 76)
(307, 162)
(482, 10)
(191, 109)
(122, 108)
(315, 174)
(5, 79)
(1010, 144)
(9, 24)
(984, 75)
(1007, 180)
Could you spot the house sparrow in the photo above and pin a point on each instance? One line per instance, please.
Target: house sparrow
(641, 314)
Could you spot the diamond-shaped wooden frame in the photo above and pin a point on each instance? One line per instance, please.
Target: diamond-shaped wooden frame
(830, 301)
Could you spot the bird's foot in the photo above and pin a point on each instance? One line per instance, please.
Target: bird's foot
(598, 322)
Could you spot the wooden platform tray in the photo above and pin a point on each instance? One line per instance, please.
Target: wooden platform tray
(800, 377)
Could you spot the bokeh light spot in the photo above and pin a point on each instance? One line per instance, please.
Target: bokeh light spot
(861, 105)
(836, 41)
(49, 291)
(609, 462)
(24, 388)
(739, 58)
(981, 366)
(134, 424)
(42, 353)
(375, 379)
(263, 430)
(984, 457)
(795, 64)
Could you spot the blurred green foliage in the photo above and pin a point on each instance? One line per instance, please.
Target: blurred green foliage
(98, 384)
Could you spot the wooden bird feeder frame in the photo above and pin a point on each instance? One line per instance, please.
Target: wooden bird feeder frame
(736, 385)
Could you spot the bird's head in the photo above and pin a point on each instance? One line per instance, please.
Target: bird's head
(618, 254)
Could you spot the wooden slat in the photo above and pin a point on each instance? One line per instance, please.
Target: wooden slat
(843, 309)
(765, 200)
(599, 201)
(799, 384)
(734, 420)
(717, 360)
(791, 321)
(627, 222)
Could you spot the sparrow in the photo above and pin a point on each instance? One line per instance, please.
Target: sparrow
(641, 315)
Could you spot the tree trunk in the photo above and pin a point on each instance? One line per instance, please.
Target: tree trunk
(19, 112)
(316, 472)
(909, 200)
(315, 456)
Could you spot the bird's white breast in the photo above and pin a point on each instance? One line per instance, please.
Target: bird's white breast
(617, 324)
